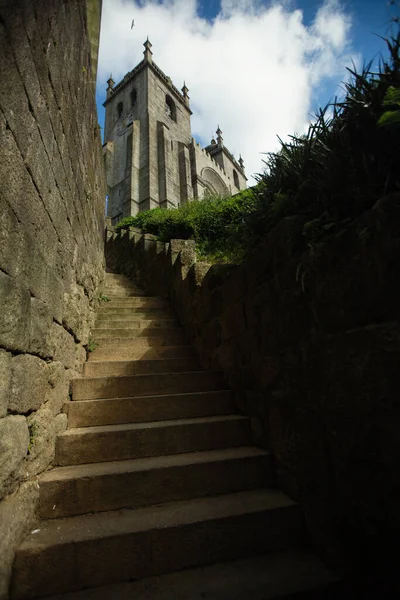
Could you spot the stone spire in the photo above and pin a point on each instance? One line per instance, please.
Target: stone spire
(147, 51)
(185, 93)
(220, 139)
(241, 162)
(110, 83)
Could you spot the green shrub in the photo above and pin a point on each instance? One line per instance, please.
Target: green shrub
(217, 224)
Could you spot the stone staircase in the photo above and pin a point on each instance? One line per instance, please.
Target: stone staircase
(157, 484)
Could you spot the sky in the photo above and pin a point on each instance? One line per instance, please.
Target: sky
(257, 68)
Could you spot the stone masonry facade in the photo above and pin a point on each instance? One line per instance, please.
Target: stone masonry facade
(150, 156)
(52, 190)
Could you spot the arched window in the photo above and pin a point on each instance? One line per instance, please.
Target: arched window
(133, 96)
(170, 108)
(236, 178)
(120, 108)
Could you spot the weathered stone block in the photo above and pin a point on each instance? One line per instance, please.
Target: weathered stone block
(175, 246)
(41, 320)
(80, 357)
(44, 428)
(63, 345)
(15, 314)
(233, 321)
(29, 383)
(200, 270)
(17, 518)
(77, 312)
(14, 442)
(354, 371)
(57, 392)
(5, 381)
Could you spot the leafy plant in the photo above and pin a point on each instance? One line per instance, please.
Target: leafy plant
(33, 431)
(104, 298)
(92, 345)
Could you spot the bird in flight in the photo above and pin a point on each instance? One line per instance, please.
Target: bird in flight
(132, 24)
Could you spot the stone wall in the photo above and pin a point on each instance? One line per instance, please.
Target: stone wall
(52, 194)
(309, 339)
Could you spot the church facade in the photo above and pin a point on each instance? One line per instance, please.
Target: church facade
(151, 158)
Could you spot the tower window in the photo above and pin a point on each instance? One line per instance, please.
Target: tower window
(236, 178)
(170, 108)
(133, 96)
(129, 151)
(120, 108)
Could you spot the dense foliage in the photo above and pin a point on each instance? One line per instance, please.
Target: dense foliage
(217, 224)
(348, 159)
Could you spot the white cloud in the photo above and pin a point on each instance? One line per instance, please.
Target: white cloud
(253, 70)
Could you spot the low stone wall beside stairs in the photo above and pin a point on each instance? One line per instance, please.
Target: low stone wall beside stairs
(309, 339)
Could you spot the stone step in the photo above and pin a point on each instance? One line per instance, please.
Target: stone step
(121, 285)
(146, 385)
(178, 339)
(115, 411)
(134, 323)
(123, 294)
(80, 489)
(130, 332)
(285, 574)
(124, 368)
(77, 552)
(139, 351)
(138, 440)
(137, 312)
(135, 302)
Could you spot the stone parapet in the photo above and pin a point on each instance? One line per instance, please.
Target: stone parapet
(309, 340)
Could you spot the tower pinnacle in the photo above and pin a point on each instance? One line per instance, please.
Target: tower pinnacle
(110, 84)
(220, 139)
(185, 93)
(147, 50)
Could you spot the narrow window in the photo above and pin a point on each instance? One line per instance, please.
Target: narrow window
(120, 108)
(236, 178)
(170, 108)
(128, 151)
(172, 145)
(133, 97)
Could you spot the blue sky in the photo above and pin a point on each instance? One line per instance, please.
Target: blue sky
(258, 68)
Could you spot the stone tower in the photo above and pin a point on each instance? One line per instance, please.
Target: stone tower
(151, 158)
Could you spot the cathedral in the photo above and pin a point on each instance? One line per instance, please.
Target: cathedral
(151, 158)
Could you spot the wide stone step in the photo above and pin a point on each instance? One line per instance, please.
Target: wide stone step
(80, 489)
(113, 295)
(140, 312)
(139, 351)
(124, 368)
(115, 411)
(145, 385)
(103, 548)
(176, 339)
(283, 575)
(139, 301)
(135, 323)
(130, 332)
(120, 285)
(138, 440)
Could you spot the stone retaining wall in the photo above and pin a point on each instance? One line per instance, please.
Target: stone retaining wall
(51, 237)
(309, 339)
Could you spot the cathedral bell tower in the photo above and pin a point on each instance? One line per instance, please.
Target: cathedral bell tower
(147, 135)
